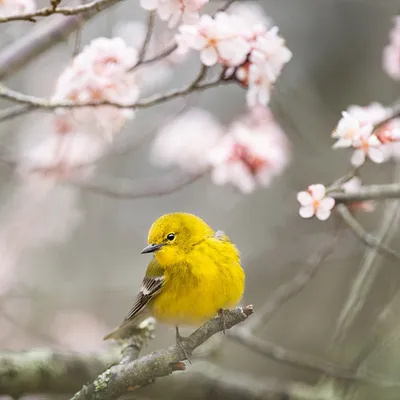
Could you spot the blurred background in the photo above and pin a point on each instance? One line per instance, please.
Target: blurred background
(71, 272)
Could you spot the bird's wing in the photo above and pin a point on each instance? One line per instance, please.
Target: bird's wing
(151, 286)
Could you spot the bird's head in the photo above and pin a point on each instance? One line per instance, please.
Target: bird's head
(173, 236)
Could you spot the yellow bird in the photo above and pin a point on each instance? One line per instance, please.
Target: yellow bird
(194, 274)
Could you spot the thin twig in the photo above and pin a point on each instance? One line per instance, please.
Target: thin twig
(370, 192)
(14, 111)
(147, 39)
(365, 236)
(304, 361)
(294, 286)
(97, 5)
(43, 37)
(42, 103)
(129, 189)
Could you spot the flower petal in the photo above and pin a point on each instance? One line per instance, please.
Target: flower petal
(306, 211)
(327, 203)
(376, 155)
(317, 191)
(304, 198)
(323, 214)
(358, 158)
(209, 56)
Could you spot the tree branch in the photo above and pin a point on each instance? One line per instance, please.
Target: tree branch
(46, 371)
(93, 6)
(304, 361)
(118, 379)
(368, 239)
(294, 286)
(370, 192)
(42, 37)
(43, 103)
(147, 39)
(130, 189)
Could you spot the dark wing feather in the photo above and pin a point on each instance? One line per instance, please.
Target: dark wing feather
(151, 285)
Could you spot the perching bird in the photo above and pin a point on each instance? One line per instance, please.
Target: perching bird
(194, 274)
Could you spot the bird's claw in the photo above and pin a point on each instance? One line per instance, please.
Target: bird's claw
(180, 342)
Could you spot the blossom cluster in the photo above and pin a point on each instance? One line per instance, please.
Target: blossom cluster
(10, 8)
(372, 134)
(252, 53)
(250, 152)
(79, 134)
(391, 53)
(359, 128)
(175, 11)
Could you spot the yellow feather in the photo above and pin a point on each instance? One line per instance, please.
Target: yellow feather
(201, 271)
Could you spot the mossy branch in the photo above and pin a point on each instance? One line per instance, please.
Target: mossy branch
(119, 379)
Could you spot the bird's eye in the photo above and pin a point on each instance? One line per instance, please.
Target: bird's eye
(171, 236)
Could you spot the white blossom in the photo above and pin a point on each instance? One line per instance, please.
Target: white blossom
(186, 141)
(253, 152)
(314, 201)
(175, 11)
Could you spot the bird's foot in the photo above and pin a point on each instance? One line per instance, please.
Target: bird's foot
(180, 341)
(221, 314)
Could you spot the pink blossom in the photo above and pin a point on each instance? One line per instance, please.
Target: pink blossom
(259, 85)
(9, 8)
(367, 145)
(100, 73)
(373, 113)
(391, 61)
(186, 141)
(252, 15)
(269, 52)
(348, 130)
(174, 11)
(314, 201)
(217, 39)
(267, 58)
(391, 53)
(254, 151)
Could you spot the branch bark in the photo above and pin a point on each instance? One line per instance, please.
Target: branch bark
(118, 379)
(47, 371)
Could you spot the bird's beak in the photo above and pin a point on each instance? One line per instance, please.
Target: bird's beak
(151, 248)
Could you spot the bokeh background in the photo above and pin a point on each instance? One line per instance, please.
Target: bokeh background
(78, 266)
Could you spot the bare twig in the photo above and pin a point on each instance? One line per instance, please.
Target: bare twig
(40, 371)
(42, 103)
(115, 381)
(366, 237)
(47, 371)
(42, 37)
(128, 189)
(370, 192)
(147, 39)
(96, 5)
(304, 361)
(291, 288)
(14, 111)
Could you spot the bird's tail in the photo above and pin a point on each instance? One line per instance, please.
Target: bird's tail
(128, 328)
